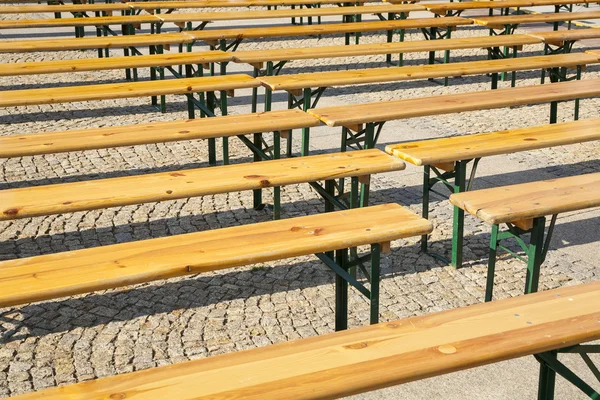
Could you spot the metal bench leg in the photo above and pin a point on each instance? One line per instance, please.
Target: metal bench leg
(425, 211)
(341, 294)
(550, 362)
(307, 94)
(375, 271)
(535, 255)
(458, 225)
(276, 189)
(489, 286)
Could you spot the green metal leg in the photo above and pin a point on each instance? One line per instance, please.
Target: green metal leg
(290, 133)
(306, 92)
(369, 144)
(329, 188)
(489, 287)
(535, 255)
(257, 193)
(425, 211)
(276, 189)
(341, 294)
(375, 272)
(458, 225)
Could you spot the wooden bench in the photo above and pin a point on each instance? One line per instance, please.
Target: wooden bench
(509, 23)
(116, 42)
(91, 64)
(69, 94)
(310, 87)
(368, 358)
(258, 58)
(444, 159)
(64, 8)
(182, 19)
(524, 208)
(219, 37)
(455, 9)
(278, 122)
(82, 271)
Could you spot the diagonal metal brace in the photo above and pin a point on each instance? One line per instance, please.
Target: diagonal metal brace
(344, 274)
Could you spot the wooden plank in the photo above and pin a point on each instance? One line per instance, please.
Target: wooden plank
(324, 29)
(560, 36)
(367, 358)
(82, 271)
(379, 75)
(154, 5)
(10, 98)
(100, 64)
(91, 21)
(531, 200)
(442, 8)
(457, 148)
(534, 18)
(454, 103)
(154, 132)
(595, 53)
(289, 13)
(112, 42)
(262, 56)
(114, 192)
(62, 8)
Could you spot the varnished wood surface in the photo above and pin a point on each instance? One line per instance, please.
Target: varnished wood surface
(113, 192)
(152, 5)
(354, 114)
(499, 21)
(442, 8)
(45, 8)
(91, 21)
(379, 75)
(323, 29)
(154, 132)
(289, 13)
(68, 94)
(367, 358)
(558, 37)
(457, 148)
(82, 271)
(261, 56)
(595, 53)
(112, 42)
(531, 200)
(100, 64)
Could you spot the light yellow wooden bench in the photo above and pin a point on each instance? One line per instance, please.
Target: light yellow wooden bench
(216, 37)
(368, 358)
(183, 18)
(135, 20)
(69, 94)
(64, 8)
(91, 64)
(63, 274)
(169, 5)
(305, 90)
(444, 159)
(113, 42)
(453, 9)
(508, 23)
(523, 208)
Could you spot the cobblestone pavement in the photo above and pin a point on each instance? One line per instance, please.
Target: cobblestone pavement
(143, 326)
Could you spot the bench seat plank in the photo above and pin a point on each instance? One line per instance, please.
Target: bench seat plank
(73, 8)
(458, 148)
(367, 358)
(82, 271)
(352, 115)
(500, 21)
(100, 64)
(559, 37)
(154, 5)
(112, 42)
(154, 132)
(375, 75)
(290, 13)
(211, 35)
(531, 200)
(91, 21)
(137, 189)
(261, 56)
(125, 90)
(442, 8)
